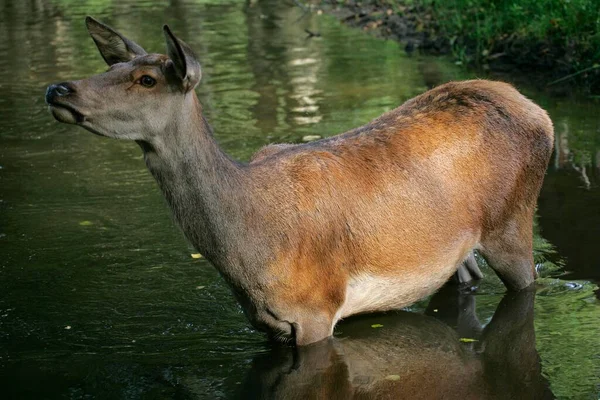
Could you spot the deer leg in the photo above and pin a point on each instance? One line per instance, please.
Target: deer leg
(509, 252)
(313, 328)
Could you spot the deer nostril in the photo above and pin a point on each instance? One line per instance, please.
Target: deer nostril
(58, 90)
(62, 90)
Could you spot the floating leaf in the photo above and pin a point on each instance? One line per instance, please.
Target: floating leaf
(468, 340)
(310, 138)
(86, 223)
(376, 326)
(196, 255)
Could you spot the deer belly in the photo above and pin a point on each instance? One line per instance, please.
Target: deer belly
(371, 293)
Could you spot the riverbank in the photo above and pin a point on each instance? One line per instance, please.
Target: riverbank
(544, 42)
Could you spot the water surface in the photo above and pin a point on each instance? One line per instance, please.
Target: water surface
(100, 298)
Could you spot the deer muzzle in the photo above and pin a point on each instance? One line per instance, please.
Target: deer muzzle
(57, 98)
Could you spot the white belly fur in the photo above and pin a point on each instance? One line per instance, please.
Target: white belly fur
(369, 293)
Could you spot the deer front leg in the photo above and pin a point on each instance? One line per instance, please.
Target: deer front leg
(296, 324)
(313, 328)
(308, 298)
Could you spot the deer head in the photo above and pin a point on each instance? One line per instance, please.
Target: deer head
(139, 95)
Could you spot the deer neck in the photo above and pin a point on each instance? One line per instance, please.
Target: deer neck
(202, 185)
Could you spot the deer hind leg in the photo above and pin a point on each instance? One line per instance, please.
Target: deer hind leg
(508, 249)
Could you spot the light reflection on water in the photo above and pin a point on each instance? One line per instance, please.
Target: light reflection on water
(99, 296)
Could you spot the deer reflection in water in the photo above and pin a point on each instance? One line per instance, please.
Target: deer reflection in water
(413, 356)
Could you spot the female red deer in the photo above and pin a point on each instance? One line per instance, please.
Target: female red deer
(369, 220)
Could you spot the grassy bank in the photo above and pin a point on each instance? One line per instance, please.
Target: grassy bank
(557, 39)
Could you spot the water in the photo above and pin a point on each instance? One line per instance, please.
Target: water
(100, 298)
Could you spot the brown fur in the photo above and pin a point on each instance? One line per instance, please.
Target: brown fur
(460, 165)
(369, 220)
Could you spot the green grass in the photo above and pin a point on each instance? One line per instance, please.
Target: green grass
(562, 35)
(570, 24)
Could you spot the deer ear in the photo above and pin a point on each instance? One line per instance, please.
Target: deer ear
(184, 60)
(113, 46)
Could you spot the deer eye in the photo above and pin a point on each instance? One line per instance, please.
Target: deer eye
(147, 81)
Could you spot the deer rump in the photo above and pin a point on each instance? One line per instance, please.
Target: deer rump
(369, 220)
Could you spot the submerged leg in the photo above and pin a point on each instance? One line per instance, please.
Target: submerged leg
(509, 252)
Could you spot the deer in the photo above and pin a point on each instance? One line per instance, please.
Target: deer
(370, 220)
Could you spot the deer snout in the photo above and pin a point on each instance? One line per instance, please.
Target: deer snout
(61, 105)
(58, 90)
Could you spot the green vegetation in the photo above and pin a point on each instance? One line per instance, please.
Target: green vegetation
(560, 37)
(488, 24)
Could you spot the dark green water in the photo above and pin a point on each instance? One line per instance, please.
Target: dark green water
(100, 298)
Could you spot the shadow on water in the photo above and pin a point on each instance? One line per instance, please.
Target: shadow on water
(570, 199)
(445, 353)
(413, 356)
